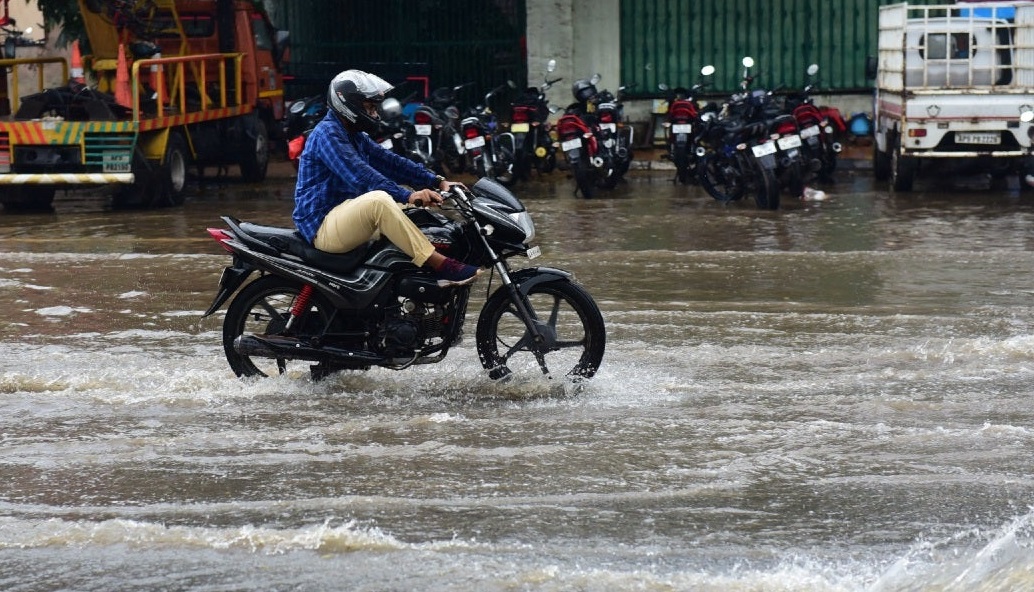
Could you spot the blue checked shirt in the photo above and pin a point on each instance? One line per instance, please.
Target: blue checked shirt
(337, 165)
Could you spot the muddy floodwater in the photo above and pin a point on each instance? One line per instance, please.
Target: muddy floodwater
(834, 396)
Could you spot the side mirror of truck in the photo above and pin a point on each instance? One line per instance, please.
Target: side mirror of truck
(870, 67)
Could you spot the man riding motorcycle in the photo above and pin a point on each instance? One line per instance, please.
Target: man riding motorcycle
(349, 188)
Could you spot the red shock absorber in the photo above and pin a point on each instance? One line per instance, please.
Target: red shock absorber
(301, 303)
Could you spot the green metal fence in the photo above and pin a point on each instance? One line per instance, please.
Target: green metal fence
(668, 41)
(431, 44)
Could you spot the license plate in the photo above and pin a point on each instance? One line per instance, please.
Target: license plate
(609, 126)
(789, 142)
(763, 149)
(422, 129)
(682, 128)
(116, 163)
(534, 252)
(475, 142)
(810, 132)
(574, 144)
(387, 144)
(520, 128)
(978, 138)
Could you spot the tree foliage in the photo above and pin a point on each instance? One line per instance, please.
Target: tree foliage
(61, 16)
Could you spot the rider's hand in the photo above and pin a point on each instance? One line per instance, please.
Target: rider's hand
(425, 197)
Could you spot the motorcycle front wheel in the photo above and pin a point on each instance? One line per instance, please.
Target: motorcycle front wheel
(263, 308)
(569, 319)
(721, 178)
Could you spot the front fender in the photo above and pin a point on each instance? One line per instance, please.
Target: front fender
(526, 279)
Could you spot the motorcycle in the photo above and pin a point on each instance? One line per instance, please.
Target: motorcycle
(758, 106)
(820, 125)
(302, 115)
(736, 154)
(529, 112)
(489, 154)
(436, 130)
(615, 137)
(679, 132)
(576, 134)
(373, 307)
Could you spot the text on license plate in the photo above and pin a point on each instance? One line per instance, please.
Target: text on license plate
(978, 138)
(534, 252)
(519, 128)
(682, 128)
(574, 144)
(422, 129)
(475, 142)
(763, 149)
(116, 163)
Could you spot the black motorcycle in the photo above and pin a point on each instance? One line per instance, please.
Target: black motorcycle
(490, 152)
(373, 307)
(529, 115)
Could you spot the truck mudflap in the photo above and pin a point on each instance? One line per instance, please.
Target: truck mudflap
(67, 179)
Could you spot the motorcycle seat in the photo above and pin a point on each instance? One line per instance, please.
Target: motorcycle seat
(289, 240)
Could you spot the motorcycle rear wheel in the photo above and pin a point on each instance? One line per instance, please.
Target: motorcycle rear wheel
(585, 177)
(504, 167)
(567, 312)
(262, 308)
(766, 190)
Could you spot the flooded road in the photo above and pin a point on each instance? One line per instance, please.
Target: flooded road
(833, 396)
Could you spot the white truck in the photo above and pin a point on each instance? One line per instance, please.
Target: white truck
(953, 81)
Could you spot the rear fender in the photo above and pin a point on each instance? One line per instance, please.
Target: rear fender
(233, 278)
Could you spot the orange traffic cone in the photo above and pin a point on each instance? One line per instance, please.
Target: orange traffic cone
(77, 64)
(123, 92)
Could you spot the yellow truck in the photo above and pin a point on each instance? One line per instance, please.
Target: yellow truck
(179, 83)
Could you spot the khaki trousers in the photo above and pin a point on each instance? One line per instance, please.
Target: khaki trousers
(355, 221)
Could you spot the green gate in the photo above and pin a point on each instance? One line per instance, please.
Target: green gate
(423, 45)
(668, 41)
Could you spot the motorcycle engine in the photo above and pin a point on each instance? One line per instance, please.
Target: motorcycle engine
(402, 335)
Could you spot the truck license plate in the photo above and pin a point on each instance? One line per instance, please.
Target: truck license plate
(116, 163)
(978, 138)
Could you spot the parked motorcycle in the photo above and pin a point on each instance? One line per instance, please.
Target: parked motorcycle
(373, 307)
(577, 132)
(489, 154)
(302, 115)
(737, 155)
(529, 114)
(758, 106)
(438, 122)
(616, 138)
(820, 126)
(681, 125)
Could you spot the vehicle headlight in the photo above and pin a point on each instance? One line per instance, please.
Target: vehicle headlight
(523, 221)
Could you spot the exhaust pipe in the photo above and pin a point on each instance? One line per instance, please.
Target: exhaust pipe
(837, 147)
(291, 348)
(596, 161)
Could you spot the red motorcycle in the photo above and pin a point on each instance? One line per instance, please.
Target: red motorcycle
(819, 125)
(682, 126)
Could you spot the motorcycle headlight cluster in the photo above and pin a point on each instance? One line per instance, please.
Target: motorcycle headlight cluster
(523, 221)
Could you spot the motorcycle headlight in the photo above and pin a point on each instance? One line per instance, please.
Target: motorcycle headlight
(523, 221)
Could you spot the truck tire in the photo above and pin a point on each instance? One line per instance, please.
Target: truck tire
(173, 172)
(880, 163)
(902, 169)
(255, 153)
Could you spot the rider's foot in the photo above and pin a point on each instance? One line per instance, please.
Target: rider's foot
(456, 272)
